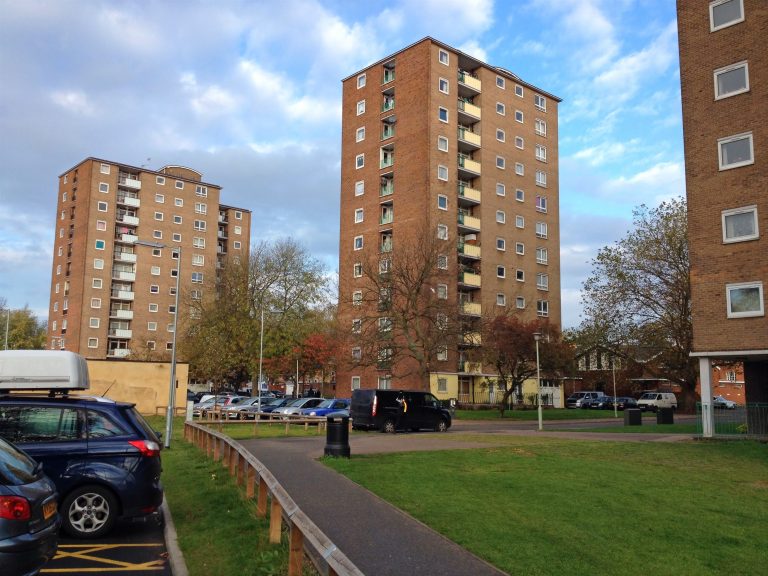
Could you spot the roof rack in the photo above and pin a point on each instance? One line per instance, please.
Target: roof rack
(56, 371)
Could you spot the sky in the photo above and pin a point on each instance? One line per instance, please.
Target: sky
(248, 92)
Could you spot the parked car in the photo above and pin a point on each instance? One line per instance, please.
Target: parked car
(29, 518)
(722, 402)
(295, 406)
(236, 410)
(654, 400)
(593, 403)
(200, 407)
(575, 400)
(326, 407)
(625, 402)
(602, 403)
(379, 410)
(272, 406)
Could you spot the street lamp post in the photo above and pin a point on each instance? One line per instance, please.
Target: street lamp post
(261, 353)
(537, 337)
(172, 383)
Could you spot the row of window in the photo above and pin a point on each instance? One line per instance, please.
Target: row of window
(160, 180)
(151, 345)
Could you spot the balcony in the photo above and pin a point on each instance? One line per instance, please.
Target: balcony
(387, 189)
(468, 165)
(472, 339)
(125, 257)
(388, 104)
(127, 276)
(222, 219)
(471, 308)
(466, 136)
(470, 279)
(222, 234)
(122, 295)
(130, 183)
(470, 251)
(471, 195)
(389, 75)
(387, 218)
(129, 201)
(469, 112)
(471, 367)
(127, 238)
(468, 222)
(118, 353)
(125, 219)
(385, 247)
(121, 314)
(120, 333)
(387, 160)
(470, 81)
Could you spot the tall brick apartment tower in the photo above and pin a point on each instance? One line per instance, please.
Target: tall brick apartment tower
(114, 298)
(724, 78)
(435, 140)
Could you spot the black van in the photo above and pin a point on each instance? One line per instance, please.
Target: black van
(378, 410)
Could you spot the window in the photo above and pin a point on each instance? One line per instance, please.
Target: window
(442, 143)
(357, 270)
(500, 82)
(542, 255)
(542, 281)
(442, 202)
(93, 322)
(98, 264)
(95, 283)
(540, 102)
(201, 191)
(500, 135)
(198, 260)
(520, 275)
(152, 326)
(519, 142)
(740, 224)
(520, 302)
(501, 244)
(519, 116)
(101, 225)
(735, 151)
(154, 289)
(359, 188)
(442, 232)
(519, 195)
(93, 342)
(541, 178)
(724, 13)
(500, 216)
(238, 215)
(360, 134)
(540, 127)
(196, 294)
(104, 169)
(442, 114)
(501, 272)
(197, 277)
(442, 356)
(500, 162)
(518, 90)
(155, 271)
(442, 172)
(519, 248)
(179, 184)
(355, 383)
(442, 383)
(731, 80)
(442, 57)
(178, 202)
(541, 153)
(177, 219)
(520, 221)
(542, 308)
(501, 299)
(103, 187)
(359, 215)
(745, 299)
(357, 325)
(160, 198)
(358, 243)
(385, 324)
(100, 244)
(442, 291)
(442, 262)
(359, 161)
(102, 206)
(159, 216)
(198, 242)
(500, 108)
(237, 245)
(199, 225)
(160, 180)
(541, 203)
(541, 229)
(157, 234)
(95, 302)
(153, 308)
(201, 208)
(357, 298)
(361, 107)
(519, 168)
(442, 85)
(501, 190)
(176, 237)
(361, 81)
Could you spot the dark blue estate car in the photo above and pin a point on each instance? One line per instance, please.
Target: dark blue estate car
(102, 456)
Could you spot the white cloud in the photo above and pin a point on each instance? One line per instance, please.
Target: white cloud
(474, 49)
(73, 101)
(606, 152)
(210, 101)
(660, 182)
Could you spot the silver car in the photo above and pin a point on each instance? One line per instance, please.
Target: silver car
(296, 406)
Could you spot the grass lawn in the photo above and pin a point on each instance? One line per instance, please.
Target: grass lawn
(540, 506)
(684, 428)
(533, 414)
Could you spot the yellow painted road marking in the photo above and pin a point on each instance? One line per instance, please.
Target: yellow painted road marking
(84, 552)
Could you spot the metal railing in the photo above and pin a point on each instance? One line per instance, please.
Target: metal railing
(304, 535)
(748, 421)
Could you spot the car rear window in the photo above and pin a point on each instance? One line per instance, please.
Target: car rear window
(143, 425)
(16, 468)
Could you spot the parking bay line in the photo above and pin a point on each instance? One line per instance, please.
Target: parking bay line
(116, 565)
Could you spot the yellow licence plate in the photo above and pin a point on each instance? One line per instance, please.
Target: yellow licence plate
(49, 509)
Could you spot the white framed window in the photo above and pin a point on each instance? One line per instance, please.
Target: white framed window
(360, 134)
(199, 225)
(154, 289)
(95, 302)
(542, 256)
(501, 299)
(442, 143)
(519, 221)
(442, 232)
(152, 326)
(179, 185)
(540, 102)
(442, 57)
(442, 172)
(360, 81)
(501, 189)
(201, 208)
(361, 107)
(519, 90)
(102, 206)
(153, 307)
(198, 260)
(237, 245)
(99, 245)
(359, 214)
(501, 272)
(501, 217)
(442, 356)
(520, 302)
(155, 271)
(740, 224)
(735, 151)
(519, 168)
(104, 187)
(95, 283)
(358, 242)
(542, 308)
(197, 277)
(359, 188)
(442, 202)
(519, 142)
(541, 229)
(442, 85)
(442, 262)
(520, 275)
(745, 299)
(93, 342)
(178, 202)
(442, 114)
(542, 281)
(196, 294)
(357, 325)
(357, 270)
(198, 242)
(519, 116)
(724, 13)
(357, 298)
(357, 353)
(159, 216)
(160, 198)
(101, 224)
(158, 234)
(385, 324)
(58, 270)
(500, 162)
(238, 215)
(500, 82)
(501, 244)
(98, 263)
(731, 80)
(519, 248)
(500, 135)
(541, 153)
(104, 169)
(442, 291)
(355, 383)
(540, 127)
(201, 191)
(176, 237)
(541, 203)
(93, 322)
(177, 219)
(541, 178)
(501, 109)
(359, 161)
(160, 180)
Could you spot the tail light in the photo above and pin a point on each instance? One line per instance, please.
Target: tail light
(148, 448)
(14, 508)
(375, 402)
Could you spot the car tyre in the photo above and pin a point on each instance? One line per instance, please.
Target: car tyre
(89, 512)
(442, 426)
(389, 426)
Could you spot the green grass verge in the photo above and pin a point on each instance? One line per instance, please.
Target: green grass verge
(541, 506)
(219, 533)
(687, 428)
(533, 414)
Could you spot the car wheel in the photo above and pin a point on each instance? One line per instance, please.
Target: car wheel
(442, 426)
(89, 512)
(389, 427)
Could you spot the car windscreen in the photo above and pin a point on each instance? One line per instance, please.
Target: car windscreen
(16, 468)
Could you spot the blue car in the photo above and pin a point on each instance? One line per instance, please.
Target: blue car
(327, 407)
(102, 456)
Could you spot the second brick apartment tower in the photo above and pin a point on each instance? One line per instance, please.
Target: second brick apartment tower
(437, 144)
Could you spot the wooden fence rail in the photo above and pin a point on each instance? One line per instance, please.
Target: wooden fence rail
(259, 483)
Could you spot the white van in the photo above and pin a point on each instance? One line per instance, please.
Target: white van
(654, 400)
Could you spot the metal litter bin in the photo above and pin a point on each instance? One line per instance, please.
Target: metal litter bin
(337, 436)
(665, 416)
(633, 417)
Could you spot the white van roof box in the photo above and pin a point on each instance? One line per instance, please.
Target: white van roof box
(43, 370)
